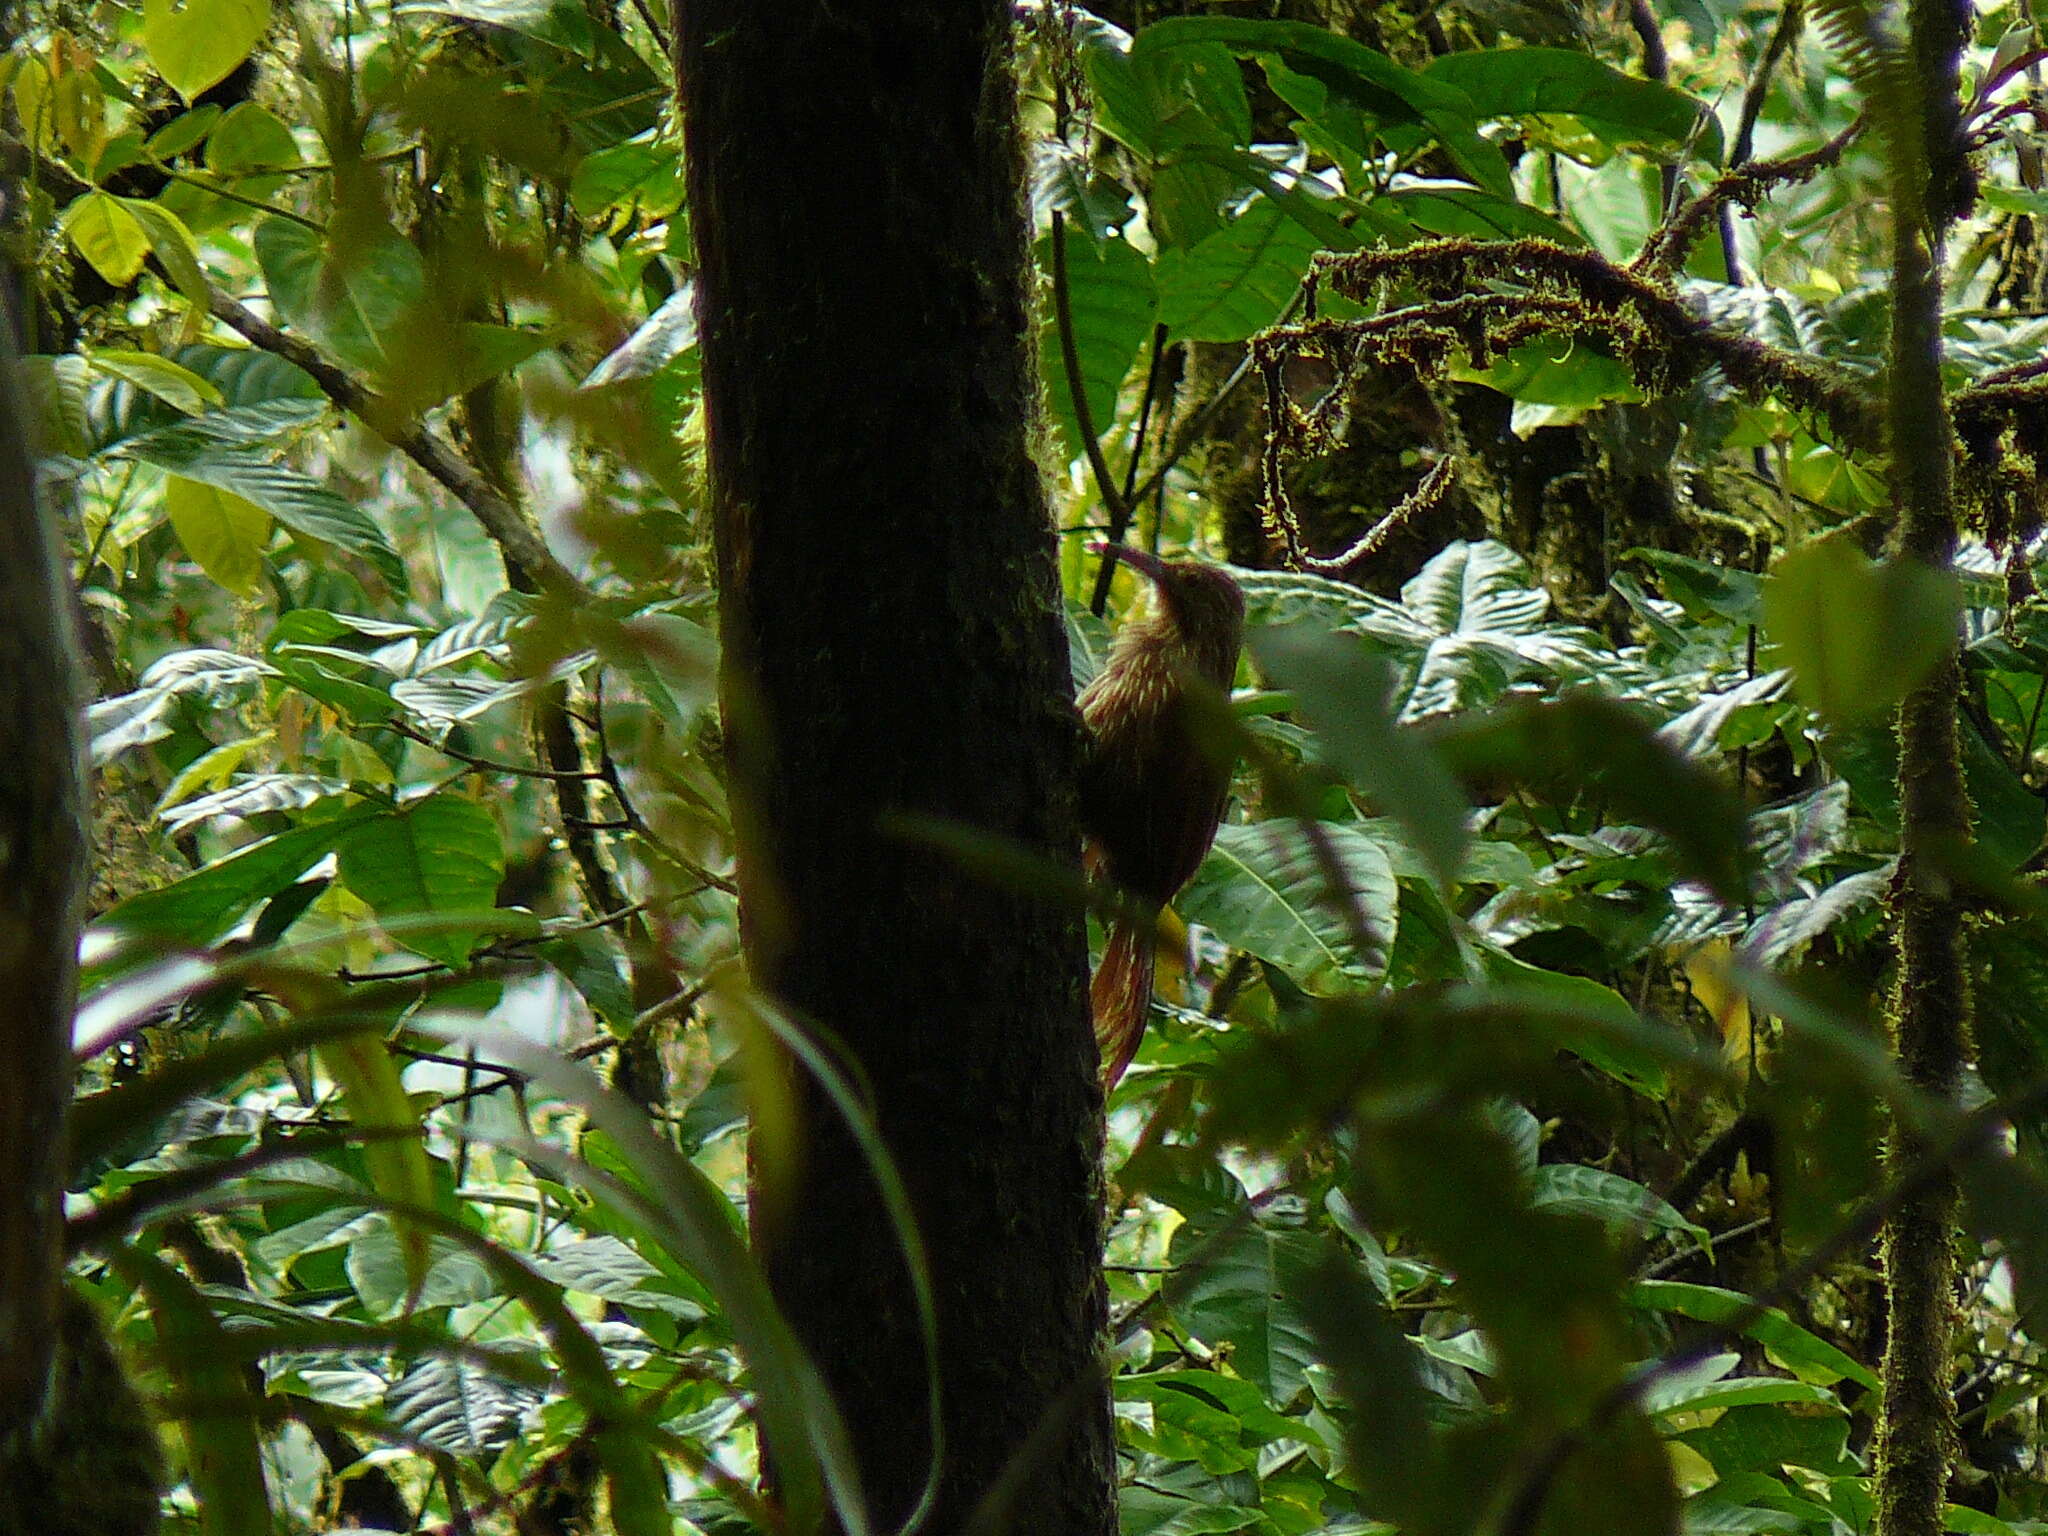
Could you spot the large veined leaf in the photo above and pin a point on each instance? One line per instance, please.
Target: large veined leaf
(1274, 599)
(1708, 1385)
(1095, 203)
(1350, 71)
(1469, 625)
(1267, 889)
(1805, 1354)
(1624, 111)
(263, 398)
(607, 1266)
(458, 1407)
(441, 856)
(1110, 301)
(136, 719)
(1789, 925)
(1448, 209)
(1585, 744)
(353, 305)
(1238, 280)
(261, 424)
(298, 501)
(109, 235)
(177, 386)
(1241, 1298)
(373, 307)
(1620, 1204)
(201, 907)
(254, 796)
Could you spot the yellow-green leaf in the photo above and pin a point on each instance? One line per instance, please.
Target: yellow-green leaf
(172, 383)
(1857, 635)
(108, 236)
(220, 530)
(197, 43)
(81, 109)
(173, 245)
(32, 104)
(362, 1068)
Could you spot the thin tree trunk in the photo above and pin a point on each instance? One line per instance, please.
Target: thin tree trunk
(894, 647)
(1929, 1013)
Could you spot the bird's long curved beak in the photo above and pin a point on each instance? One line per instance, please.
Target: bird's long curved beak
(1137, 559)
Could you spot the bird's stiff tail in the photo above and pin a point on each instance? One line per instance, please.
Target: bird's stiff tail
(1121, 996)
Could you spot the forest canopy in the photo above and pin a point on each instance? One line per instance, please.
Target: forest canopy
(1596, 1081)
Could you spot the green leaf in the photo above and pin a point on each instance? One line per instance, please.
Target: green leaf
(1623, 110)
(252, 137)
(301, 503)
(1809, 1357)
(176, 386)
(362, 1067)
(1858, 636)
(370, 304)
(441, 856)
(108, 234)
(356, 301)
(1377, 1369)
(1110, 299)
(1353, 73)
(1613, 1038)
(131, 720)
(1702, 588)
(198, 43)
(1095, 204)
(1620, 1204)
(220, 530)
(1343, 694)
(1697, 1391)
(1265, 889)
(1451, 210)
(1769, 1438)
(1238, 280)
(198, 909)
(174, 248)
(1240, 1297)
(1575, 377)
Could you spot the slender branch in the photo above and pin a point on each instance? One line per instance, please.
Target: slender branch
(1745, 186)
(485, 764)
(1119, 521)
(1426, 497)
(500, 519)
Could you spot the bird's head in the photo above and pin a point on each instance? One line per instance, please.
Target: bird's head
(1202, 599)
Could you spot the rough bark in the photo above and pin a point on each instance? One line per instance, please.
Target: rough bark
(1929, 1010)
(893, 646)
(78, 1456)
(42, 851)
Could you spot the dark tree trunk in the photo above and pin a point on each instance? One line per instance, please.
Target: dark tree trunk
(42, 855)
(894, 646)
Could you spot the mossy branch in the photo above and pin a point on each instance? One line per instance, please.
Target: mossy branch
(1928, 1012)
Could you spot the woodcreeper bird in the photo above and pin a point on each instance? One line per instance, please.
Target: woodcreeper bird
(1157, 777)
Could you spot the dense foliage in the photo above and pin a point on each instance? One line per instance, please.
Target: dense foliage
(1508, 1151)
